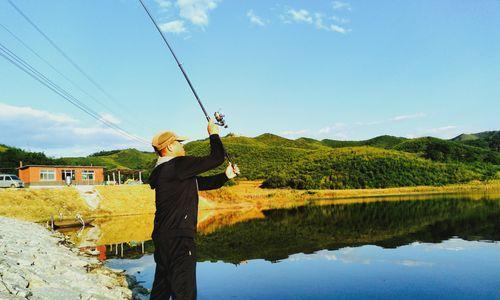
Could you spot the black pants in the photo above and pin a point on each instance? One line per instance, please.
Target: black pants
(175, 273)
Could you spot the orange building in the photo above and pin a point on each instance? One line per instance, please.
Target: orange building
(56, 175)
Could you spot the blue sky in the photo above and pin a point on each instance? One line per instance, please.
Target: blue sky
(322, 69)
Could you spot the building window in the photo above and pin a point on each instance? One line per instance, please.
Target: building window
(47, 175)
(87, 175)
(68, 173)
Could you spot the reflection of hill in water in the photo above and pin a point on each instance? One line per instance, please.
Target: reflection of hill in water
(311, 228)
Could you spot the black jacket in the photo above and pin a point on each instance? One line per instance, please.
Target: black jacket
(176, 183)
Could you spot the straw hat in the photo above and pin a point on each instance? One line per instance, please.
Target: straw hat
(165, 138)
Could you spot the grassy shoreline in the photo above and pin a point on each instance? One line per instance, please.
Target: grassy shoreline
(248, 193)
(39, 204)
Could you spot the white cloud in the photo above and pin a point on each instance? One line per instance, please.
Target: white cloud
(176, 26)
(445, 132)
(196, 11)
(408, 117)
(339, 29)
(334, 131)
(339, 20)
(300, 15)
(190, 12)
(339, 5)
(441, 129)
(164, 5)
(329, 129)
(343, 131)
(295, 132)
(10, 112)
(110, 118)
(413, 263)
(255, 19)
(58, 134)
(319, 21)
(398, 118)
(316, 19)
(324, 130)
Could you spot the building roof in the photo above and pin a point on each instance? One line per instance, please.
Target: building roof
(58, 166)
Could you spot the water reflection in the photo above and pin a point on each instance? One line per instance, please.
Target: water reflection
(451, 269)
(309, 228)
(438, 247)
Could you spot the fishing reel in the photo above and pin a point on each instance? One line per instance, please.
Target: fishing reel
(219, 117)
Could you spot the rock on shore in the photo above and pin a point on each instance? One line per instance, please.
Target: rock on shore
(38, 264)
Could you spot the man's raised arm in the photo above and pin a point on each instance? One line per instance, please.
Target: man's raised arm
(190, 166)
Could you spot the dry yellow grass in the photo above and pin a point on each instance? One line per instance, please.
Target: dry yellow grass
(40, 204)
(126, 200)
(248, 194)
(134, 199)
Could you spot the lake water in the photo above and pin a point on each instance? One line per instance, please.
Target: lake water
(439, 247)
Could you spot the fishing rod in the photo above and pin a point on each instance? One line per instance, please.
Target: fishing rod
(219, 117)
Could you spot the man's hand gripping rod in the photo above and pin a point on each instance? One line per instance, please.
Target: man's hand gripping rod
(218, 116)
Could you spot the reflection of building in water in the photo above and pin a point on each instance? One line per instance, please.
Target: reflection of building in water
(121, 250)
(102, 252)
(131, 249)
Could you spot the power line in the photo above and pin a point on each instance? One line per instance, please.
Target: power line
(30, 70)
(18, 62)
(64, 94)
(68, 58)
(53, 67)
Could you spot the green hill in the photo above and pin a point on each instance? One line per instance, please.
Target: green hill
(277, 141)
(132, 159)
(383, 161)
(283, 163)
(367, 167)
(475, 136)
(383, 141)
(487, 139)
(447, 151)
(255, 157)
(11, 156)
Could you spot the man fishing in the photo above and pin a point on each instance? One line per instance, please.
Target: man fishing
(176, 181)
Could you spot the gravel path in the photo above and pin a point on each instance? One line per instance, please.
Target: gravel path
(38, 264)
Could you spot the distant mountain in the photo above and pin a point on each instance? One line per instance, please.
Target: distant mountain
(486, 139)
(447, 151)
(475, 136)
(272, 140)
(308, 163)
(383, 141)
(379, 162)
(132, 159)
